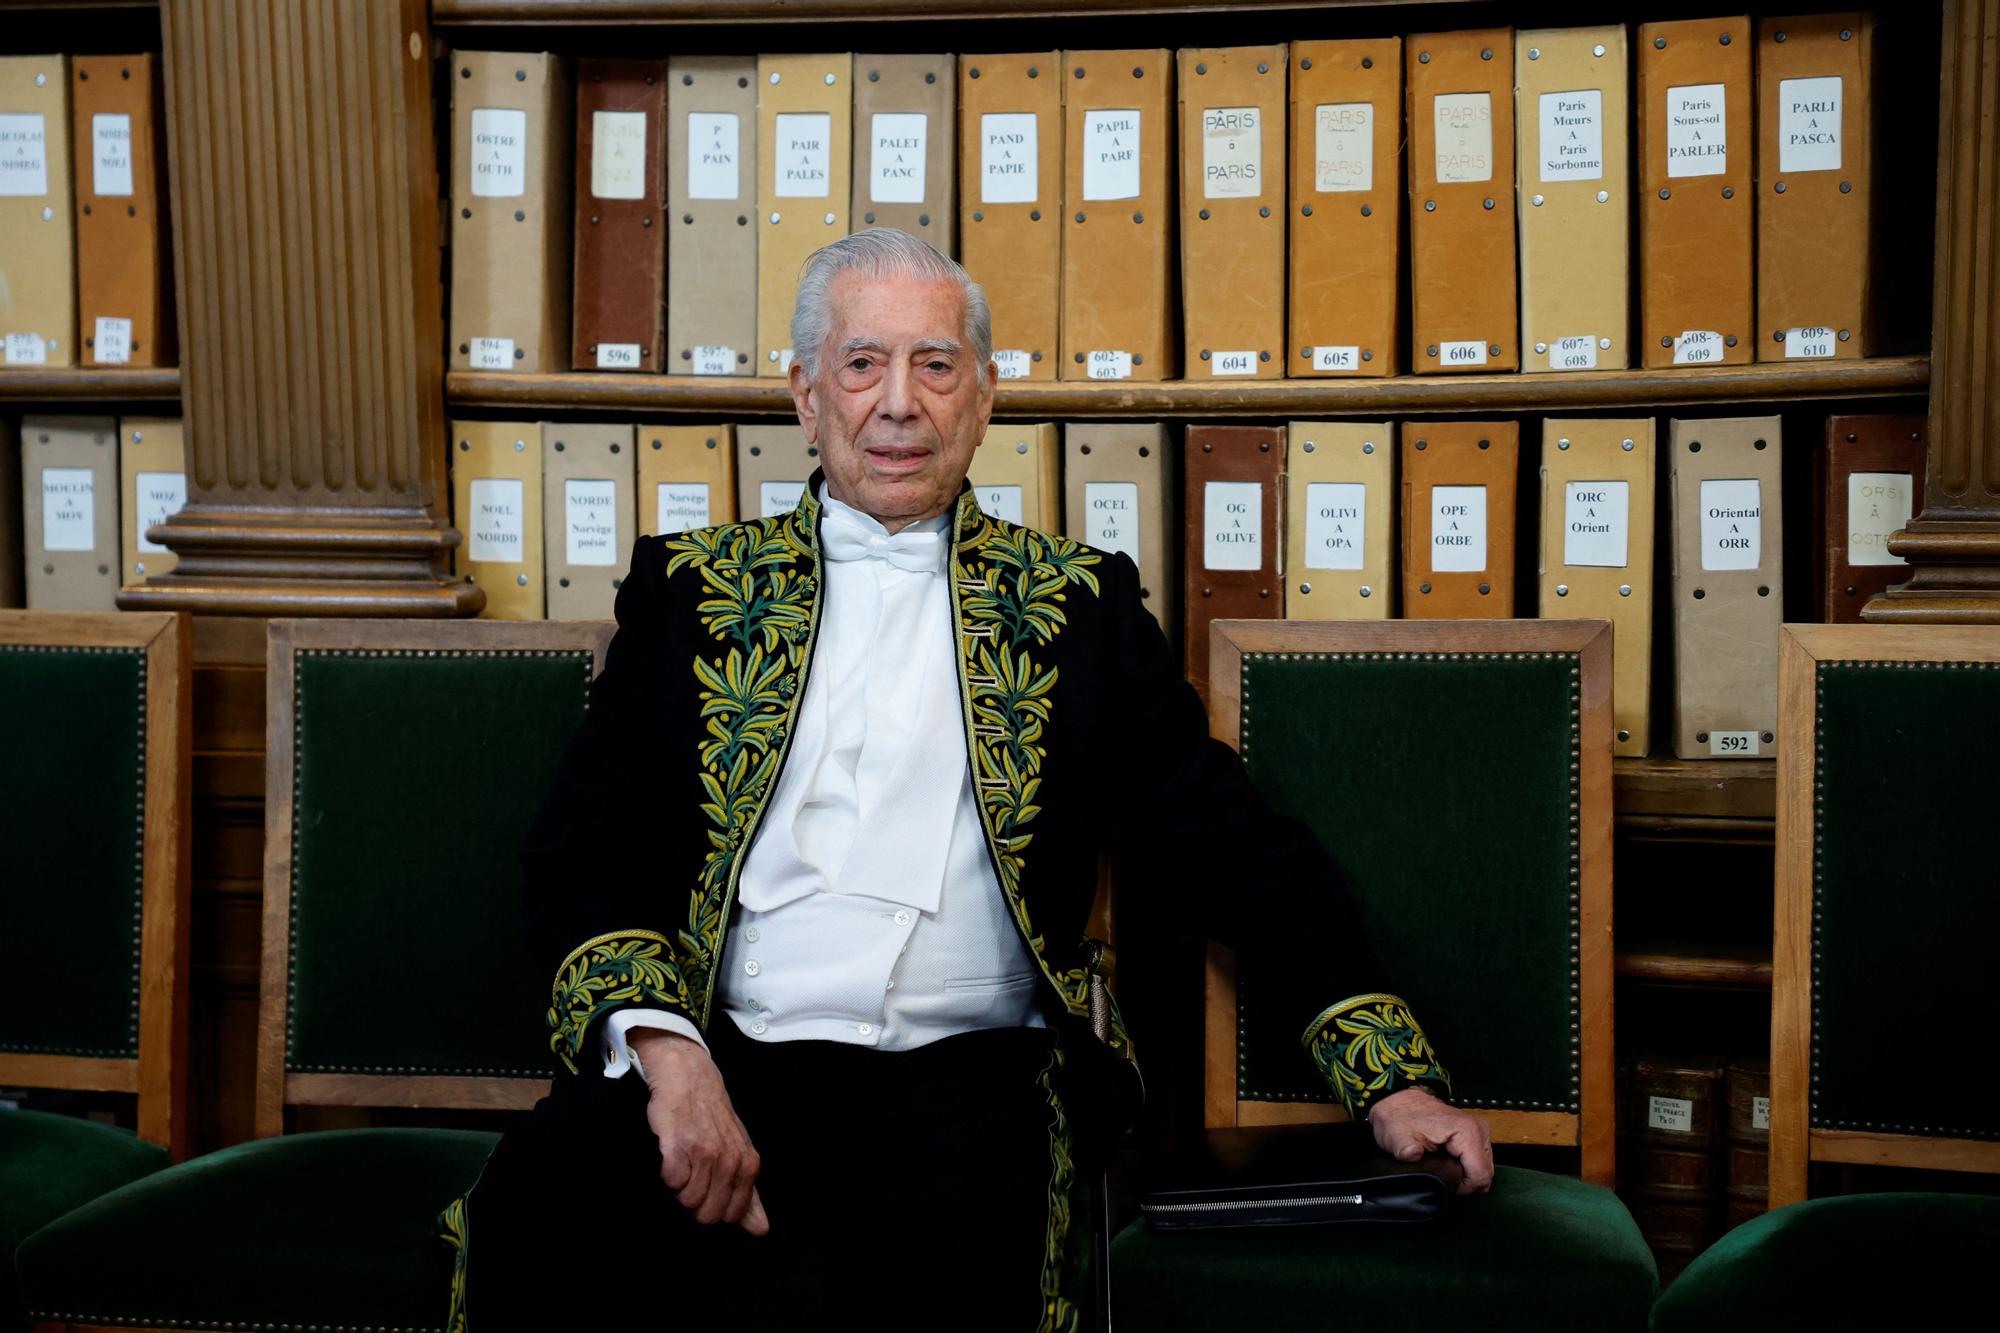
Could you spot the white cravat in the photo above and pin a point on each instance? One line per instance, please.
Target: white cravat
(867, 907)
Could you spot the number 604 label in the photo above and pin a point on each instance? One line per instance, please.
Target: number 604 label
(1733, 743)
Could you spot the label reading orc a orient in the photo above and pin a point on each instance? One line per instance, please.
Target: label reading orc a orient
(497, 520)
(1336, 524)
(1878, 506)
(1458, 529)
(1111, 516)
(1732, 524)
(679, 506)
(1595, 523)
(1232, 525)
(1673, 1114)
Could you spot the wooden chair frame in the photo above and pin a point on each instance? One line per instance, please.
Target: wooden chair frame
(277, 1087)
(158, 1076)
(1794, 1143)
(1593, 1131)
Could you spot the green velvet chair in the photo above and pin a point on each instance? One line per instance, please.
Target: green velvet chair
(1461, 773)
(93, 905)
(405, 761)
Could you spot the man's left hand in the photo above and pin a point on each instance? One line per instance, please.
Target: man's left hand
(1410, 1123)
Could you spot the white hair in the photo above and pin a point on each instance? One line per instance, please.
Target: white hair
(878, 252)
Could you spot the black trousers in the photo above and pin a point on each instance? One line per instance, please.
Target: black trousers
(933, 1188)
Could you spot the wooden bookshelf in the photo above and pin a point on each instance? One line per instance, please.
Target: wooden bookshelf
(1696, 965)
(1697, 792)
(90, 383)
(824, 11)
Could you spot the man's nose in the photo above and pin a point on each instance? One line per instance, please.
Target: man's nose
(898, 402)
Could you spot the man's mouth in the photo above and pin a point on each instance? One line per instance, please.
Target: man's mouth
(897, 456)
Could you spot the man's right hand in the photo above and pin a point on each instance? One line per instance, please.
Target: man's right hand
(705, 1153)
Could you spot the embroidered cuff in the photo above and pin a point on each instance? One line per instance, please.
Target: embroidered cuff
(1369, 1046)
(619, 970)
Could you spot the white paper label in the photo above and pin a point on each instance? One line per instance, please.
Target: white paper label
(1343, 147)
(804, 166)
(590, 510)
(1458, 529)
(1698, 347)
(492, 354)
(26, 349)
(1232, 525)
(785, 355)
(1733, 744)
(714, 360)
(1697, 130)
(161, 495)
(1336, 524)
(1012, 364)
(1464, 124)
(1336, 358)
(1110, 365)
(896, 157)
(1009, 162)
(779, 497)
(112, 345)
(1573, 135)
(1809, 342)
(24, 158)
(498, 521)
(1760, 1113)
(1670, 1113)
(1878, 504)
(1809, 124)
(1232, 363)
(618, 154)
(1577, 353)
(1732, 524)
(680, 506)
(618, 356)
(1596, 523)
(715, 155)
(1111, 154)
(111, 154)
(1000, 502)
(1111, 516)
(1471, 353)
(1232, 152)
(69, 509)
(499, 152)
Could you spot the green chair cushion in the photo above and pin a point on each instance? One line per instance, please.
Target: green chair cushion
(331, 1230)
(1867, 1260)
(1542, 1253)
(50, 1164)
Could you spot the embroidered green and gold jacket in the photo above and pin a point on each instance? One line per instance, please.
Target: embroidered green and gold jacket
(1082, 736)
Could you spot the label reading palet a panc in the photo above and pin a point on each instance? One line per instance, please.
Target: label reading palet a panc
(1009, 157)
(1673, 1114)
(618, 356)
(590, 511)
(499, 152)
(679, 506)
(1232, 525)
(492, 353)
(1878, 507)
(1105, 365)
(1012, 364)
(1111, 516)
(1698, 347)
(498, 521)
(715, 155)
(69, 509)
(1336, 524)
(896, 156)
(1734, 744)
(1002, 502)
(1458, 529)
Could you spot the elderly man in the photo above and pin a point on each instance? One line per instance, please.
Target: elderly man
(814, 877)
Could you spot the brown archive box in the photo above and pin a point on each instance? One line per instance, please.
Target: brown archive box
(1460, 104)
(1235, 543)
(1815, 186)
(588, 480)
(124, 249)
(510, 211)
(1118, 496)
(1728, 586)
(1573, 124)
(496, 504)
(1458, 519)
(687, 477)
(1010, 162)
(37, 214)
(11, 591)
(712, 195)
(1597, 552)
(1232, 196)
(69, 512)
(805, 119)
(1340, 520)
(905, 145)
(1017, 475)
(1344, 312)
(1118, 297)
(773, 464)
(1696, 149)
(621, 188)
(152, 487)
(1871, 483)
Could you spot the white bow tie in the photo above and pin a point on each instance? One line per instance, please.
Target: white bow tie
(847, 535)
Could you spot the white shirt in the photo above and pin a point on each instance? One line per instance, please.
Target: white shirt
(867, 907)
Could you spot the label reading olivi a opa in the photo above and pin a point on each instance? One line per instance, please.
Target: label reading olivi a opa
(1111, 516)
(590, 521)
(1344, 147)
(1464, 132)
(804, 166)
(1232, 519)
(896, 157)
(1732, 524)
(1573, 135)
(680, 506)
(1596, 524)
(1809, 124)
(1673, 1114)
(1698, 130)
(1002, 502)
(110, 154)
(1111, 154)
(618, 154)
(1336, 524)
(24, 158)
(1009, 157)
(778, 497)
(1232, 152)
(715, 157)
(498, 521)
(1458, 529)
(1878, 506)
(499, 152)
(69, 509)
(161, 495)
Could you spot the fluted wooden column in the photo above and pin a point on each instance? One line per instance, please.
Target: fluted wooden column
(306, 238)
(1954, 545)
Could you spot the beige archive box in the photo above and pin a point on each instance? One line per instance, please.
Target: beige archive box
(152, 487)
(906, 145)
(69, 512)
(1016, 474)
(1232, 197)
(1340, 529)
(805, 120)
(773, 464)
(588, 480)
(1119, 496)
(687, 478)
(496, 504)
(1010, 201)
(37, 214)
(711, 196)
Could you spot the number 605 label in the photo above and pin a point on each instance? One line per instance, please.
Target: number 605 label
(1733, 743)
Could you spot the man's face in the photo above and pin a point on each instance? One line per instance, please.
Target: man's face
(899, 403)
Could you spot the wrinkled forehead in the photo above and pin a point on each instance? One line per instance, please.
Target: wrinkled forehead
(895, 310)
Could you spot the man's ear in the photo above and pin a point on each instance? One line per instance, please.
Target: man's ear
(805, 399)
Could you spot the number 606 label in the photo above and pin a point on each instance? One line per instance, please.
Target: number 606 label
(1733, 743)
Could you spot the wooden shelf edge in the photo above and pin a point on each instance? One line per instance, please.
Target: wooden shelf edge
(1673, 967)
(1447, 394)
(808, 11)
(1696, 795)
(90, 382)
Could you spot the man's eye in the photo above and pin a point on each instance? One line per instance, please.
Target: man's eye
(940, 365)
(858, 363)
